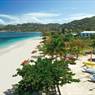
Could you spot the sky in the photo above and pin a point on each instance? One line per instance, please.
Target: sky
(45, 11)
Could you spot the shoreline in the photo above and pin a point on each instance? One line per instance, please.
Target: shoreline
(11, 59)
(17, 44)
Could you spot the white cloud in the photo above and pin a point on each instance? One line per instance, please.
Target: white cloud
(42, 14)
(40, 18)
(77, 17)
(27, 18)
(8, 16)
(8, 19)
(2, 22)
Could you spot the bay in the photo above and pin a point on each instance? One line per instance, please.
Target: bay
(9, 38)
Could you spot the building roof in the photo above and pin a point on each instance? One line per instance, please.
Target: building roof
(91, 32)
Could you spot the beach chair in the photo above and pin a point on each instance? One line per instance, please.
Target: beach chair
(89, 64)
(92, 78)
(89, 70)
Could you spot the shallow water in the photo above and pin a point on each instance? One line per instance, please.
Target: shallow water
(9, 38)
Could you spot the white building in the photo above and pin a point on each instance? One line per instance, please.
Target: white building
(87, 33)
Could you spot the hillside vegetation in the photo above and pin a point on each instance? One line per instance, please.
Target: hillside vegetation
(74, 26)
(86, 24)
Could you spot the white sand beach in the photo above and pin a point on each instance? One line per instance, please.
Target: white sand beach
(84, 87)
(10, 60)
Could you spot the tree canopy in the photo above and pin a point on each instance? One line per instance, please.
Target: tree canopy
(46, 74)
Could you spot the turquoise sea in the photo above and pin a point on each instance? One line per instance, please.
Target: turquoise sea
(9, 38)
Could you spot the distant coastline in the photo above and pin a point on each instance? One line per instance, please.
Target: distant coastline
(3, 31)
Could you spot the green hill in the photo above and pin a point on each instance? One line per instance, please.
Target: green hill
(74, 26)
(86, 24)
(31, 27)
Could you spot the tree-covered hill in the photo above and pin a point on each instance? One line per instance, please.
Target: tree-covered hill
(74, 26)
(86, 24)
(31, 27)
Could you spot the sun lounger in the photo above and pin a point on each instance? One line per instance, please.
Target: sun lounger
(89, 64)
(89, 70)
(92, 78)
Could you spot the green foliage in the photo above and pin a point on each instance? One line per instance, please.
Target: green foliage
(42, 76)
(60, 45)
(92, 44)
(47, 73)
(86, 24)
(31, 27)
(53, 45)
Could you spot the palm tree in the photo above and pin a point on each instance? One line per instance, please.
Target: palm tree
(77, 46)
(54, 45)
(93, 44)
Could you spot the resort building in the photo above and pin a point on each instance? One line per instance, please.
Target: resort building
(87, 33)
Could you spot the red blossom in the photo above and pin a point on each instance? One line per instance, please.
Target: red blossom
(25, 62)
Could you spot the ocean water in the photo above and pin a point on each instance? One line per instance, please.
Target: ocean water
(9, 38)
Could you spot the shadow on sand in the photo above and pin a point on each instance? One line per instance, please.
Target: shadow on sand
(8, 92)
